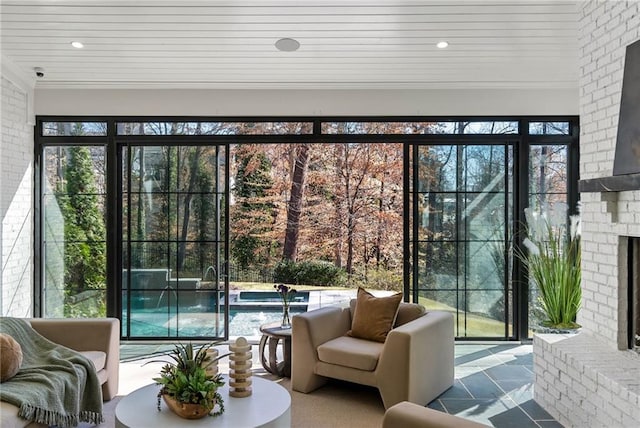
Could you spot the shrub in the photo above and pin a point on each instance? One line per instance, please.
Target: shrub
(380, 279)
(315, 272)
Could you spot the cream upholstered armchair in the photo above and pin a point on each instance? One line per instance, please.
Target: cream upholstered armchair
(415, 363)
(96, 338)
(409, 415)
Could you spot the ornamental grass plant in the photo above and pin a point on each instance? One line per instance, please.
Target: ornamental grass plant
(552, 257)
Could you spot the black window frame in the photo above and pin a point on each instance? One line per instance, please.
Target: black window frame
(521, 140)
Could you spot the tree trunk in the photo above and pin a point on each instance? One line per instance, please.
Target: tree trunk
(338, 200)
(350, 242)
(294, 210)
(195, 159)
(542, 182)
(338, 235)
(379, 231)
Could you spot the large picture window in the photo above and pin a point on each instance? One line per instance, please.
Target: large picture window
(181, 226)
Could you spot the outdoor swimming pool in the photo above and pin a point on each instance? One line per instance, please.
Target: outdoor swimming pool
(248, 310)
(242, 322)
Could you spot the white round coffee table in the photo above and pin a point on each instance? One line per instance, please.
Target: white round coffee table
(268, 406)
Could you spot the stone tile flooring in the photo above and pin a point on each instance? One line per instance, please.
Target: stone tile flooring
(494, 386)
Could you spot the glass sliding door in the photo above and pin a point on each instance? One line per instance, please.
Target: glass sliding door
(173, 241)
(462, 209)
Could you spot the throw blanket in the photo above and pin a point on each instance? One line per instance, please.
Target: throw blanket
(55, 385)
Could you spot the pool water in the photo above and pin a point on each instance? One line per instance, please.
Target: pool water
(268, 296)
(155, 315)
(243, 321)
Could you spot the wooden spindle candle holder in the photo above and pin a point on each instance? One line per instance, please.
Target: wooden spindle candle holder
(240, 368)
(211, 366)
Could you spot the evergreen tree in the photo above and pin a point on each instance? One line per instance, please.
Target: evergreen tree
(84, 231)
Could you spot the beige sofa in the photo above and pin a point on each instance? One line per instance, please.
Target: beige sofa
(96, 338)
(415, 363)
(409, 415)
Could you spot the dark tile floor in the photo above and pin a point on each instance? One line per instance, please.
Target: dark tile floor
(494, 386)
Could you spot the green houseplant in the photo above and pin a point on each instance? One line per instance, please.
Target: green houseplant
(186, 387)
(553, 257)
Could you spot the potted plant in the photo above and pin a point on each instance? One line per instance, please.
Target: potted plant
(552, 257)
(186, 387)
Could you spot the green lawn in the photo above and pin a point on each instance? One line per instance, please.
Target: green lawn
(476, 325)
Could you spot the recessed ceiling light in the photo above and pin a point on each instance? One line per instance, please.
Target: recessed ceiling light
(443, 44)
(77, 45)
(287, 45)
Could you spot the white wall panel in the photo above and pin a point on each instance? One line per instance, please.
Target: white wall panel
(189, 102)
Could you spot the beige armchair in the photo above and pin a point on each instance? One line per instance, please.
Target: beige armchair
(96, 338)
(415, 363)
(409, 415)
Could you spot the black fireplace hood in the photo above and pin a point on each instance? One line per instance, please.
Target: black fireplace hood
(615, 183)
(626, 164)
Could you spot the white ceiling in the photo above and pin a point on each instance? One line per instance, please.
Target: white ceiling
(344, 43)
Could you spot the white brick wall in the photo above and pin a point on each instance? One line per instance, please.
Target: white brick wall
(606, 28)
(585, 381)
(16, 203)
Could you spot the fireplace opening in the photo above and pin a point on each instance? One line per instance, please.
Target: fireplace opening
(633, 295)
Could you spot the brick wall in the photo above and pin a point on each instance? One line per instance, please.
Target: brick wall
(16, 202)
(606, 28)
(585, 380)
